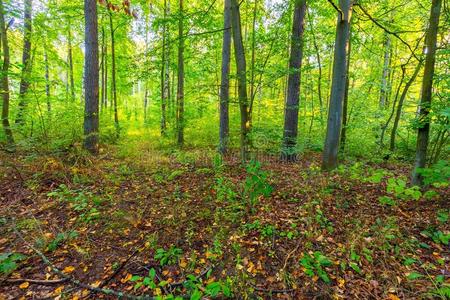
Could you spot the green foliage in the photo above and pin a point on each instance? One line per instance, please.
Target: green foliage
(8, 262)
(397, 187)
(169, 256)
(84, 203)
(315, 264)
(255, 184)
(437, 175)
(61, 238)
(437, 236)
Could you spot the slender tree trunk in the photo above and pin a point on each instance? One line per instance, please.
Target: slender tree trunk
(4, 82)
(290, 131)
(164, 72)
(425, 100)
(319, 63)
(400, 106)
(47, 80)
(225, 80)
(239, 53)
(102, 75)
(70, 59)
(91, 77)
(345, 101)
(113, 73)
(253, 63)
(180, 86)
(334, 124)
(26, 62)
(384, 90)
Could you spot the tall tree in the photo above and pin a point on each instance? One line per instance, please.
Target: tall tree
(71, 82)
(91, 76)
(113, 70)
(293, 93)
(423, 131)
(241, 66)
(225, 79)
(334, 124)
(26, 62)
(4, 80)
(164, 70)
(384, 89)
(180, 86)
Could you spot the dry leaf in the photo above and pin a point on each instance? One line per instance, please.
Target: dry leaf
(69, 269)
(24, 285)
(126, 278)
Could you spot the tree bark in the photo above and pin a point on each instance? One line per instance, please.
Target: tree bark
(180, 85)
(345, 118)
(164, 72)
(334, 124)
(384, 90)
(47, 80)
(70, 59)
(239, 53)
(113, 73)
(225, 79)
(400, 106)
(91, 75)
(4, 82)
(290, 131)
(26, 62)
(425, 100)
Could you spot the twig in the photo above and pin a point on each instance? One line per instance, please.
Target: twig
(337, 9)
(35, 281)
(386, 30)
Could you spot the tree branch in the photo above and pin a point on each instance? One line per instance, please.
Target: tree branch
(337, 9)
(387, 30)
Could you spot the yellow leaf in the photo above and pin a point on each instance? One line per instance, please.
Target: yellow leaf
(341, 282)
(69, 269)
(126, 278)
(58, 290)
(183, 263)
(24, 285)
(96, 284)
(393, 297)
(157, 291)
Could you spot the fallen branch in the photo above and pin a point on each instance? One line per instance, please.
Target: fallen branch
(272, 291)
(77, 282)
(35, 281)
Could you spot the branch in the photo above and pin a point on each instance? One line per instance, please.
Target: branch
(35, 281)
(337, 9)
(387, 30)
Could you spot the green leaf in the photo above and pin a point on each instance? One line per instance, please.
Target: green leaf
(355, 267)
(414, 275)
(196, 295)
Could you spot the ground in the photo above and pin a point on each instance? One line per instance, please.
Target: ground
(187, 225)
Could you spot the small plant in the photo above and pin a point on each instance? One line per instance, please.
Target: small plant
(436, 235)
(398, 188)
(60, 239)
(148, 281)
(438, 175)
(168, 257)
(255, 184)
(8, 262)
(314, 265)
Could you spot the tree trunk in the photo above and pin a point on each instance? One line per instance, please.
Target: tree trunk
(26, 63)
(239, 53)
(225, 80)
(384, 90)
(47, 80)
(164, 72)
(427, 85)
(91, 77)
(102, 75)
(400, 106)
(4, 82)
(334, 124)
(113, 73)
(319, 63)
(180, 86)
(290, 131)
(345, 101)
(253, 64)
(70, 58)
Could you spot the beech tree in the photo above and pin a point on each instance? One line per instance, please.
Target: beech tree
(91, 77)
(334, 124)
(293, 92)
(423, 131)
(225, 79)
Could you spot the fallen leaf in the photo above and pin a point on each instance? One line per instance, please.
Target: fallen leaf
(393, 297)
(69, 269)
(126, 278)
(24, 285)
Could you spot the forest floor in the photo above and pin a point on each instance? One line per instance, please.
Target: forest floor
(178, 225)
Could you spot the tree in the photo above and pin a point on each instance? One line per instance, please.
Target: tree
(225, 79)
(334, 124)
(423, 131)
(91, 77)
(239, 54)
(4, 82)
(293, 92)
(180, 86)
(165, 89)
(113, 71)
(26, 62)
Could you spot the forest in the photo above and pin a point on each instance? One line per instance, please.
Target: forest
(224, 149)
